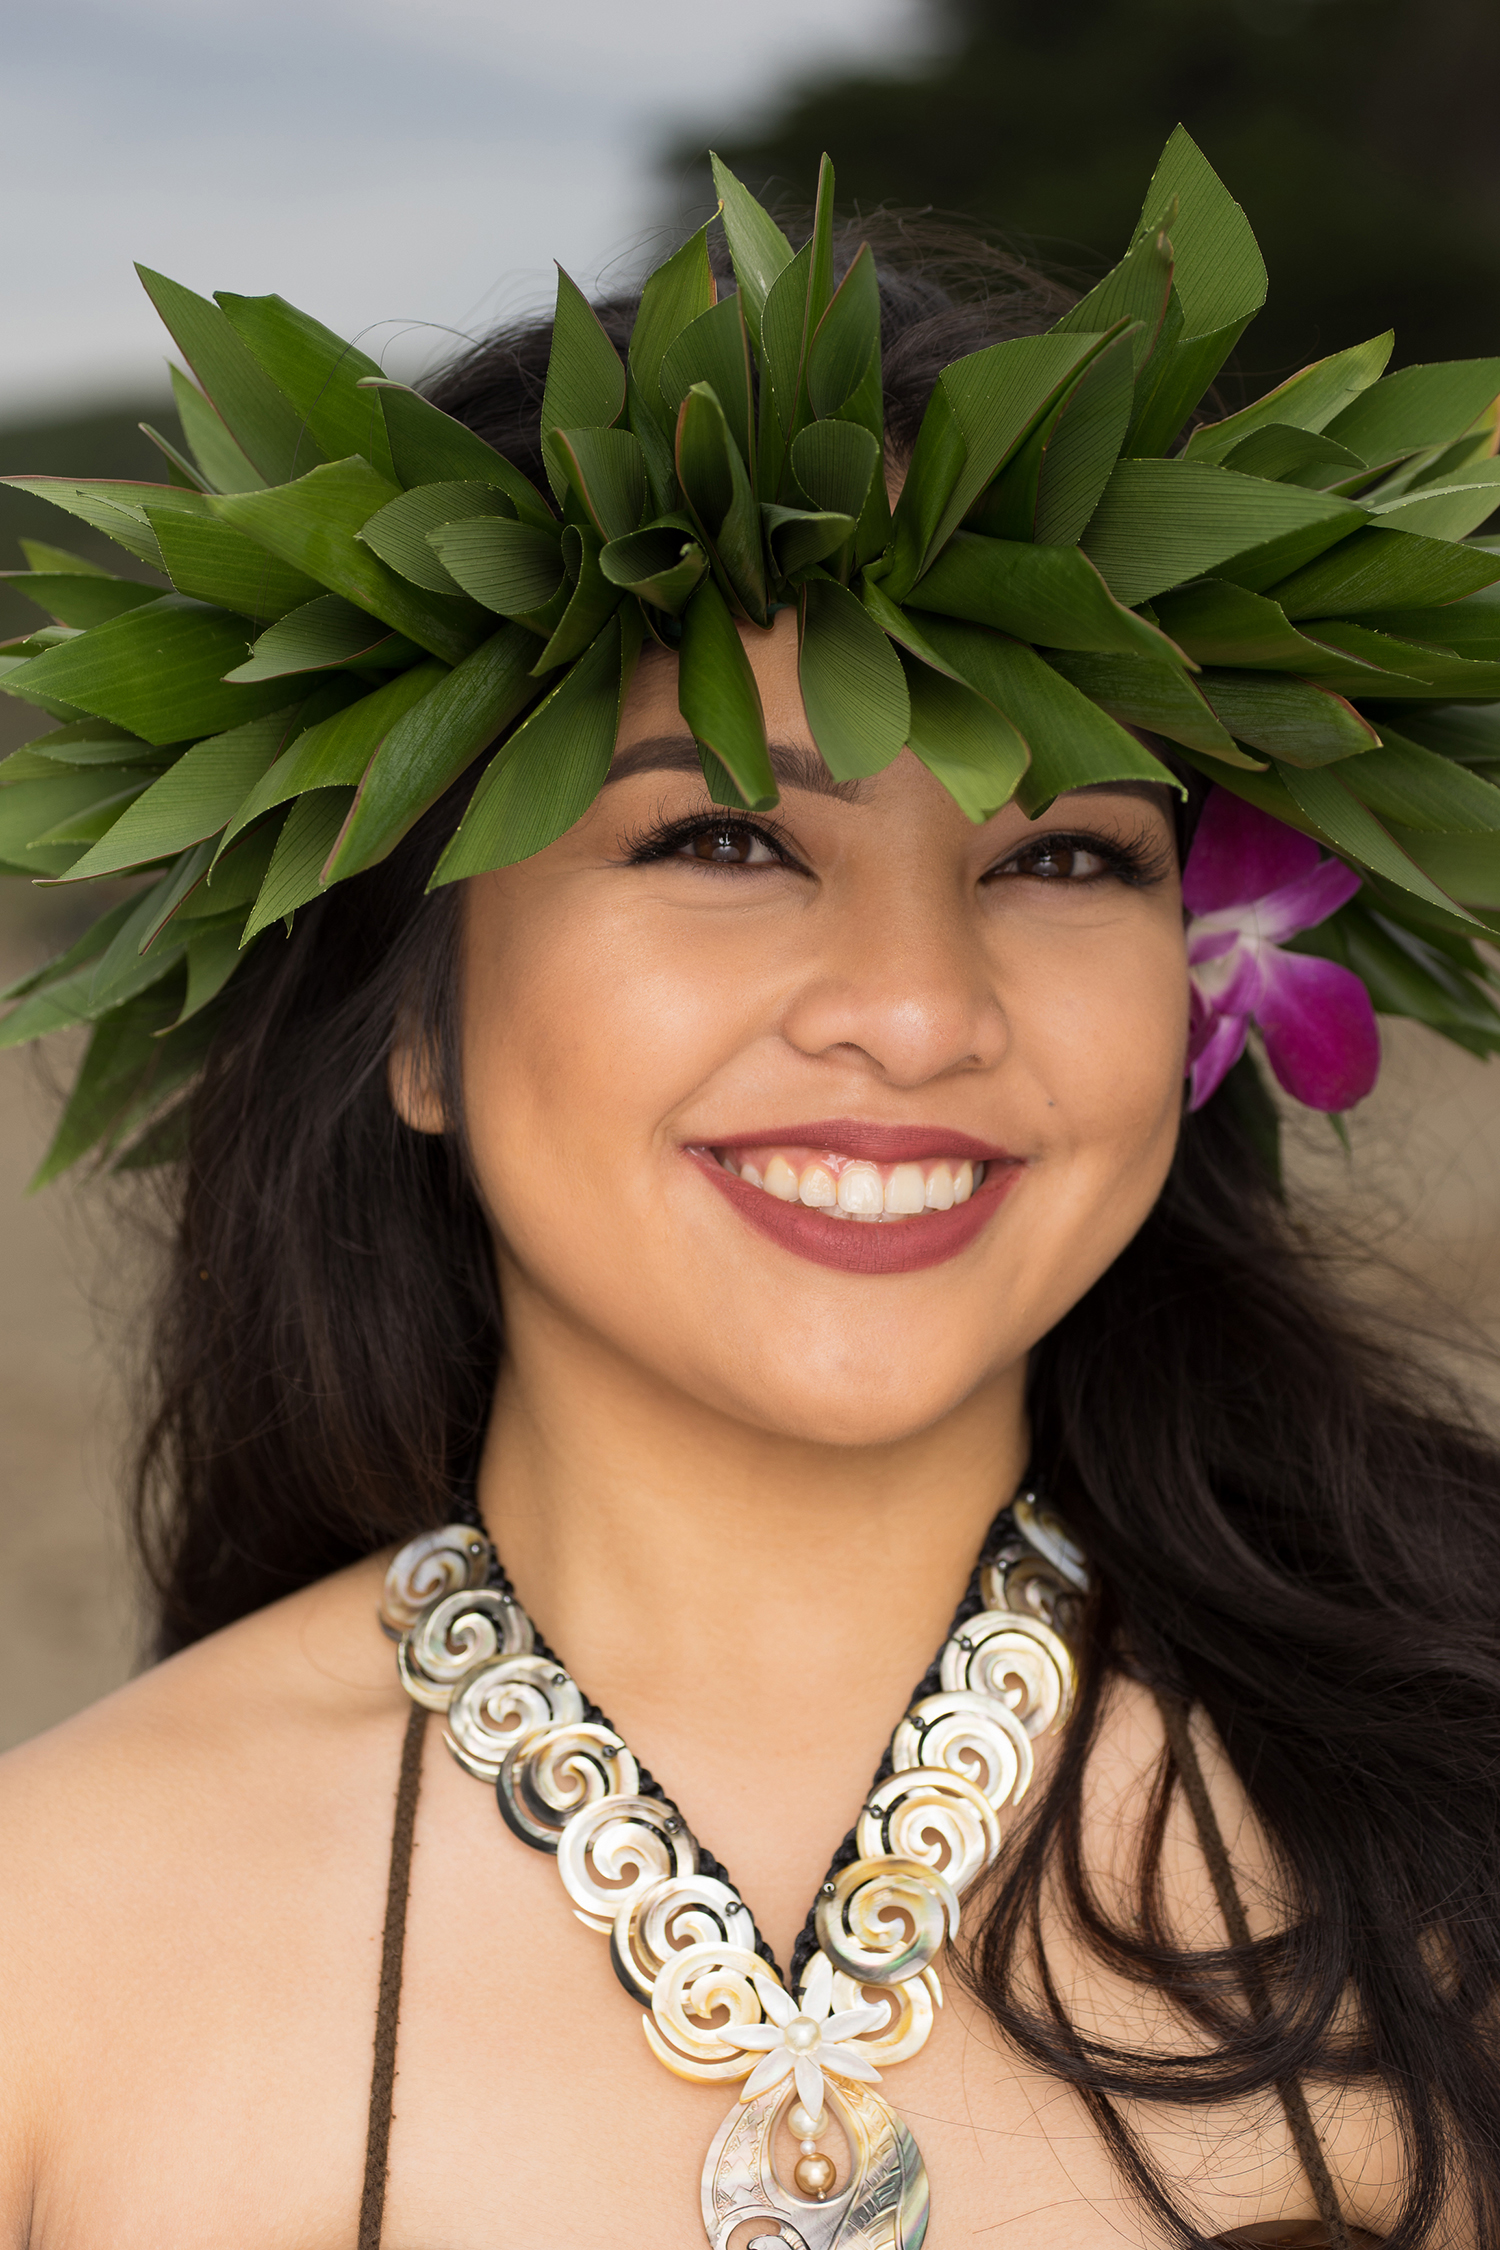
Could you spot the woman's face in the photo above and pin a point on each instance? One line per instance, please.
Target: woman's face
(702, 1051)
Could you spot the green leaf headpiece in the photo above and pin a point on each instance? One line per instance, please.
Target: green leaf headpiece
(360, 602)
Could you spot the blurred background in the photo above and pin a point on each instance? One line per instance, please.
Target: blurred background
(408, 175)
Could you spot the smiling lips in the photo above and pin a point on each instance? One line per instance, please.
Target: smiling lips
(863, 1198)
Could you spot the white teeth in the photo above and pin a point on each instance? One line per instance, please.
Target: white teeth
(860, 1192)
(854, 1188)
(781, 1180)
(939, 1195)
(905, 1190)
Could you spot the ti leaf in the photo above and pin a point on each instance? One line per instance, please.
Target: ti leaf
(585, 375)
(1051, 595)
(835, 463)
(678, 293)
(213, 955)
(431, 744)
(717, 490)
(158, 670)
(512, 568)
(1417, 406)
(125, 1060)
(398, 531)
(1382, 569)
(1073, 743)
(800, 537)
(548, 773)
(1289, 456)
(1137, 290)
(975, 751)
(980, 412)
(794, 307)
(78, 599)
(262, 421)
(1308, 400)
(1401, 781)
(844, 353)
(1162, 522)
(429, 447)
(116, 508)
(1141, 692)
(295, 875)
(314, 525)
(853, 687)
(718, 697)
(194, 798)
(322, 635)
(1053, 485)
(318, 372)
(593, 600)
(1443, 511)
(225, 464)
(1292, 720)
(1217, 622)
(212, 562)
(607, 471)
(662, 564)
(715, 349)
(1219, 280)
(758, 248)
(336, 751)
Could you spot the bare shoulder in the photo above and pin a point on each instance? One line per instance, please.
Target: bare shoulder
(201, 1843)
(221, 1734)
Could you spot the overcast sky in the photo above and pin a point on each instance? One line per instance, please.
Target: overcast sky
(380, 162)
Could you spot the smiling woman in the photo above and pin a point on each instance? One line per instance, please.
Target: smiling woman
(738, 1219)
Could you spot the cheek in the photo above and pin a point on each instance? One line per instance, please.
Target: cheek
(1104, 1054)
(578, 1042)
(1110, 1044)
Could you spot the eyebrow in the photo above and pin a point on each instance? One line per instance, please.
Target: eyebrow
(794, 767)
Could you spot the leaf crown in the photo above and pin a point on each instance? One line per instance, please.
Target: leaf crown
(360, 602)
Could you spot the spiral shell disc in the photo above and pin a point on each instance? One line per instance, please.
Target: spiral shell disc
(429, 1566)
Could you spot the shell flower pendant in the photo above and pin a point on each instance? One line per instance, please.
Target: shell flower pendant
(803, 2039)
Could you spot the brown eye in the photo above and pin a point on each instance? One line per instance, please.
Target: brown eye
(1055, 859)
(727, 845)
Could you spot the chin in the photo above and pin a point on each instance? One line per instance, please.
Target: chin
(876, 1402)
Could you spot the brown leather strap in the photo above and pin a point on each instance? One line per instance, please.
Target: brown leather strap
(388, 2010)
(1175, 1717)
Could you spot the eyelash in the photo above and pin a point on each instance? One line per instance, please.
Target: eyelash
(1137, 860)
(663, 839)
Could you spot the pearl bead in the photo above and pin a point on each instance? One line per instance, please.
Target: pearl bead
(802, 2034)
(814, 2175)
(804, 2125)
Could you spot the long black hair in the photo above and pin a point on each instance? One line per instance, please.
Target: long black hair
(1293, 1528)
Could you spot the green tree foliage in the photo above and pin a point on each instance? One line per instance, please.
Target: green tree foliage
(1358, 134)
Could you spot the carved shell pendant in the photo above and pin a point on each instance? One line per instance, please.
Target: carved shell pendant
(811, 2155)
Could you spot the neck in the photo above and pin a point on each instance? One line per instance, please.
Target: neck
(731, 1595)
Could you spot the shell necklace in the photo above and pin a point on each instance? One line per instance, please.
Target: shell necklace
(863, 1989)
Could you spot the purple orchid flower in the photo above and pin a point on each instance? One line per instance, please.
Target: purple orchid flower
(1249, 884)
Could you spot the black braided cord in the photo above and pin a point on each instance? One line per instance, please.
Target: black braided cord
(466, 1511)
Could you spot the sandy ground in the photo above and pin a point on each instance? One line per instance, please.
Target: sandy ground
(67, 1274)
(1424, 1186)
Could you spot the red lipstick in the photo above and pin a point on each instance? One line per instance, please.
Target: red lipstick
(877, 1144)
(907, 1245)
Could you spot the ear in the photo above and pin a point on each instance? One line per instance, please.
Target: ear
(412, 1082)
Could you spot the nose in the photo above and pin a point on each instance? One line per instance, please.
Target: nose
(899, 984)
